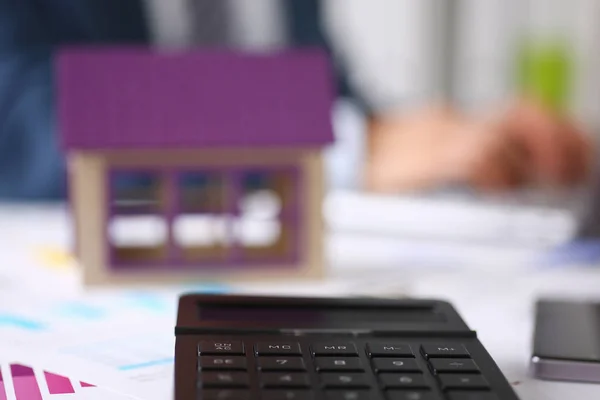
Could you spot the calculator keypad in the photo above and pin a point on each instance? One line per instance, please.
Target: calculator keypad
(351, 380)
(473, 396)
(281, 364)
(389, 350)
(284, 380)
(463, 382)
(225, 379)
(348, 395)
(411, 395)
(324, 364)
(229, 347)
(452, 365)
(224, 394)
(278, 349)
(223, 363)
(287, 395)
(442, 350)
(395, 381)
(395, 365)
(334, 349)
(338, 370)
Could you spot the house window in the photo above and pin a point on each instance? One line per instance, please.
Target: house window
(137, 192)
(137, 229)
(201, 228)
(189, 217)
(266, 223)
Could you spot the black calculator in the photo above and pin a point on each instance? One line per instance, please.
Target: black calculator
(289, 348)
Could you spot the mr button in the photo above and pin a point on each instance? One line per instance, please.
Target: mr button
(334, 349)
(444, 351)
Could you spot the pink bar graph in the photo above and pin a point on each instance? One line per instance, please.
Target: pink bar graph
(58, 384)
(2, 388)
(24, 382)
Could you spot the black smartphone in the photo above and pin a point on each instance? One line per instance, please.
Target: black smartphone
(289, 348)
(566, 342)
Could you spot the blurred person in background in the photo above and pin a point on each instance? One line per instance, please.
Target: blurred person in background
(411, 146)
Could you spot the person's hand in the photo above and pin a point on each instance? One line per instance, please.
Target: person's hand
(412, 151)
(522, 145)
(557, 151)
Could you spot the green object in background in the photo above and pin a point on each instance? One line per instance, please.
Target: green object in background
(545, 73)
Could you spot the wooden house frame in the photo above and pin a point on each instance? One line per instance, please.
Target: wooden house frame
(190, 137)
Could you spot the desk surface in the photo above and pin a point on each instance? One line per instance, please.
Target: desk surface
(496, 299)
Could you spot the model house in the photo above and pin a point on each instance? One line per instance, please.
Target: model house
(195, 166)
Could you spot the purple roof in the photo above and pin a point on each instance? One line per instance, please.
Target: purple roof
(117, 98)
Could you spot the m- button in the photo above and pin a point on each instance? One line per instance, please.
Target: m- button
(278, 349)
(444, 351)
(389, 350)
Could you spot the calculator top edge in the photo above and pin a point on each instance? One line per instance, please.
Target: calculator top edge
(272, 314)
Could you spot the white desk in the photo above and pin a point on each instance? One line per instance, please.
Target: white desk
(495, 300)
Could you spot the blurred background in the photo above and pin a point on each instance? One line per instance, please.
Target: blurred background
(481, 123)
(458, 122)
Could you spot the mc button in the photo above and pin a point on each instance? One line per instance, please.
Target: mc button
(278, 348)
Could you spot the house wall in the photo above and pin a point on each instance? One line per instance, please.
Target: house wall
(88, 174)
(89, 214)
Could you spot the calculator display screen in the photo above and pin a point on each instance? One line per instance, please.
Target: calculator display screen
(313, 316)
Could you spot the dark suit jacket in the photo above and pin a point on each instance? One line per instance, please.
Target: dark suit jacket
(31, 164)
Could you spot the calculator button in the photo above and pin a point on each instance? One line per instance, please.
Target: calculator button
(454, 381)
(409, 381)
(334, 349)
(338, 364)
(442, 350)
(287, 395)
(281, 364)
(395, 365)
(472, 396)
(389, 350)
(411, 395)
(229, 347)
(223, 394)
(214, 362)
(276, 380)
(453, 365)
(349, 395)
(224, 379)
(330, 380)
(278, 348)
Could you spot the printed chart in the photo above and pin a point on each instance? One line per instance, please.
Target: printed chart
(22, 382)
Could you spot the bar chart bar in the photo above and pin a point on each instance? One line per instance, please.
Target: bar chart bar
(24, 382)
(2, 388)
(58, 384)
